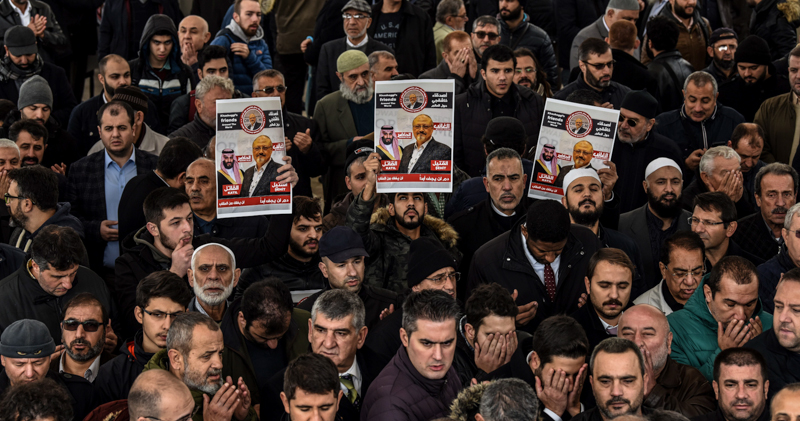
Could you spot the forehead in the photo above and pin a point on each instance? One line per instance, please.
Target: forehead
(742, 293)
(665, 172)
(85, 311)
(27, 137)
(302, 220)
(711, 212)
(120, 119)
(630, 114)
(358, 70)
(639, 318)
(262, 141)
(190, 22)
(679, 253)
(204, 338)
(601, 57)
(706, 90)
(783, 181)
(583, 144)
(117, 66)
(584, 182)
(607, 271)
(786, 402)
(269, 81)
(735, 372)
(249, 6)
(722, 163)
(497, 324)
(177, 211)
(794, 61)
(788, 290)
(500, 64)
(486, 27)
(616, 365)
(200, 168)
(213, 254)
(505, 166)
(161, 38)
(345, 322)
(745, 145)
(216, 62)
(525, 61)
(436, 331)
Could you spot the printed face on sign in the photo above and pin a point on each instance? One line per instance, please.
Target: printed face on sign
(423, 128)
(582, 153)
(262, 150)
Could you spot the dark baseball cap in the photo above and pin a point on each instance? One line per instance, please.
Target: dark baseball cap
(340, 244)
(20, 41)
(357, 149)
(720, 34)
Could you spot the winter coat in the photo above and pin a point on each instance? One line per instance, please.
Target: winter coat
(22, 239)
(777, 117)
(613, 94)
(769, 273)
(63, 98)
(472, 114)
(535, 39)
(775, 22)
(472, 191)
(11, 259)
(387, 247)
(690, 135)
(115, 31)
(694, 332)
(442, 71)
(415, 47)
(196, 130)
(338, 214)
(682, 389)
(375, 301)
(326, 79)
(401, 393)
(752, 230)
(83, 122)
(115, 378)
(747, 99)
(629, 71)
(670, 70)
(783, 365)
(243, 69)
(296, 275)
(53, 45)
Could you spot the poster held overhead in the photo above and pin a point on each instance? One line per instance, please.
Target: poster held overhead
(249, 150)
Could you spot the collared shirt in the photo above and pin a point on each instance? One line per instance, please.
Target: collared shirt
(691, 21)
(497, 211)
(356, 373)
(91, 372)
(256, 177)
(778, 240)
(606, 325)
(363, 42)
(539, 267)
(115, 180)
(416, 154)
(204, 226)
(24, 17)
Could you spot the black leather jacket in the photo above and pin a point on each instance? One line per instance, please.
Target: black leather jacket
(670, 70)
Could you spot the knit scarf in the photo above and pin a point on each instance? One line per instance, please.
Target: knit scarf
(10, 71)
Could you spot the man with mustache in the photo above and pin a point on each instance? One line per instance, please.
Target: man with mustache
(202, 128)
(609, 281)
(389, 146)
(658, 219)
(84, 328)
(714, 220)
(417, 157)
(597, 66)
(194, 354)
(485, 33)
(756, 80)
(741, 384)
(213, 276)
(681, 265)
(257, 178)
(721, 47)
(695, 31)
(671, 386)
(789, 257)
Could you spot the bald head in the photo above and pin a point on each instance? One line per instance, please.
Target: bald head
(194, 29)
(158, 393)
(786, 403)
(646, 312)
(647, 327)
(202, 164)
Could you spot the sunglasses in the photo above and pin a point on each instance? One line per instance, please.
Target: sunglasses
(89, 325)
(481, 35)
(601, 66)
(270, 89)
(631, 122)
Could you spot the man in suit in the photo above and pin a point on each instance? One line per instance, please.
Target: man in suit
(229, 173)
(94, 197)
(413, 103)
(252, 124)
(257, 178)
(582, 154)
(417, 156)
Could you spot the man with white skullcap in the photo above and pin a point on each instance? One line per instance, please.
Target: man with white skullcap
(213, 276)
(661, 217)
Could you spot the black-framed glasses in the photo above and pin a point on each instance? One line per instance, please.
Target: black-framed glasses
(481, 35)
(270, 89)
(160, 316)
(683, 274)
(7, 198)
(455, 276)
(88, 325)
(464, 16)
(695, 221)
(601, 66)
(631, 122)
(347, 16)
(183, 418)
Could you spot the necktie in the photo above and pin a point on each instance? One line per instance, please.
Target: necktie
(612, 330)
(352, 394)
(550, 281)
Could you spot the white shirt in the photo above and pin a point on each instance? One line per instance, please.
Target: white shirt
(257, 177)
(91, 372)
(356, 373)
(605, 325)
(25, 17)
(360, 44)
(539, 267)
(497, 211)
(416, 154)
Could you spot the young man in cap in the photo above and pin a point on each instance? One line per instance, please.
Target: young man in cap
(722, 45)
(147, 139)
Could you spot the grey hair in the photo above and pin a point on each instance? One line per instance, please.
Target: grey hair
(336, 304)
(448, 8)
(9, 144)
(616, 346)
(485, 20)
(213, 81)
(226, 249)
(725, 152)
(700, 78)
(181, 331)
(776, 168)
(502, 153)
(270, 73)
(787, 222)
(376, 56)
(509, 400)
(434, 305)
(360, 160)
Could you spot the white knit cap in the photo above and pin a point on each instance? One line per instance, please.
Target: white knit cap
(659, 163)
(576, 174)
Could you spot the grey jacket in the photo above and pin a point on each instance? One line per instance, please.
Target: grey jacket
(655, 297)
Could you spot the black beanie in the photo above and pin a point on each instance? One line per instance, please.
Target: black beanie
(753, 49)
(426, 256)
(640, 102)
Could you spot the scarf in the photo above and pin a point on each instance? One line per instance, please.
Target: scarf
(10, 71)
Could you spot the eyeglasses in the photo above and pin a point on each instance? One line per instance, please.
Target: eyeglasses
(184, 418)
(796, 233)
(631, 122)
(455, 276)
(481, 35)
(347, 16)
(7, 197)
(601, 66)
(696, 274)
(161, 316)
(695, 221)
(270, 89)
(526, 69)
(89, 325)
(464, 16)
(726, 48)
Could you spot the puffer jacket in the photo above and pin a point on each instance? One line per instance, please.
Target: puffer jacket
(387, 247)
(243, 70)
(401, 393)
(775, 21)
(535, 39)
(670, 87)
(694, 332)
(22, 239)
(115, 378)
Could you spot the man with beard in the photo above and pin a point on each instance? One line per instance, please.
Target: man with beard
(213, 276)
(741, 384)
(199, 185)
(547, 162)
(694, 30)
(608, 281)
(748, 142)
(113, 72)
(418, 156)
(529, 73)
(616, 10)
(485, 33)
(516, 30)
(667, 66)
(345, 116)
(660, 217)
(31, 139)
(775, 192)
(229, 173)
(776, 115)
(298, 267)
(356, 20)
(722, 46)
(451, 16)
(756, 80)
(389, 147)
(770, 272)
(597, 65)
(388, 239)
(210, 90)
(84, 329)
(714, 220)
(670, 385)
(681, 265)
(195, 354)
(583, 198)
(726, 313)
(243, 37)
(618, 378)
(258, 178)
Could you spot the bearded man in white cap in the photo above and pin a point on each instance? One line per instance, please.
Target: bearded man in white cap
(659, 218)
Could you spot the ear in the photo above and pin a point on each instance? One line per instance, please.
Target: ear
(323, 269)
(535, 361)
(637, 44)
(390, 208)
(486, 184)
(362, 337)
(704, 177)
(564, 201)
(716, 389)
(758, 200)
(242, 322)
(470, 331)
(190, 275)
(347, 183)
(199, 74)
(3, 360)
(766, 389)
(644, 185)
(138, 313)
(483, 74)
(669, 343)
(236, 274)
(101, 78)
(404, 337)
(588, 285)
(606, 40)
(198, 105)
(152, 229)
(663, 269)
(415, 288)
(707, 293)
(731, 228)
(285, 402)
(710, 51)
(139, 117)
(175, 360)
(207, 37)
(340, 76)
(591, 381)
(310, 329)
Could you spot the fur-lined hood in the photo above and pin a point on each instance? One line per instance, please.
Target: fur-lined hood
(442, 229)
(467, 403)
(791, 10)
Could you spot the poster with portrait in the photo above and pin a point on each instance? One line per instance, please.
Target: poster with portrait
(572, 136)
(250, 149)
(414, 135)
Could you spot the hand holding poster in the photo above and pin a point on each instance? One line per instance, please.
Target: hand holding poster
(414, 135)
(572, 136)
(250, 149)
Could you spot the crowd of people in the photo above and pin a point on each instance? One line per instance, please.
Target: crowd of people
(662, 287)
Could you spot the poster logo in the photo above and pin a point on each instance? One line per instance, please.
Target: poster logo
(579, 124)
(413, 99)
(252, 119)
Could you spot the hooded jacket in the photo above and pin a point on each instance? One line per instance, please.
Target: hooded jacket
(694, 332)
(468, 403)
(387, 247)
(243, 69)
(178, 76)
(115, 378)
(22, 239)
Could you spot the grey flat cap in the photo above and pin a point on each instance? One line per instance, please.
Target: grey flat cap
(624, 4)
(360, 5)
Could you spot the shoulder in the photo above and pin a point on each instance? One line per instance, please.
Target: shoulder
(380, 293)
(669, 117)
(730, 114)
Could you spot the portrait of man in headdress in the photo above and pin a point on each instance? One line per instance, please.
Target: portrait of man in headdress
(547, 162)
(389, 145)
(228, 173)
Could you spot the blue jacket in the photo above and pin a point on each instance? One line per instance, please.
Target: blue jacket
(243, 70)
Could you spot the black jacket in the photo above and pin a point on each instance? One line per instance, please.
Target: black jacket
(747, 99)
(83, 122)
(752, 230)
(783, 365)
(769, 273)
(632, 73)
(115, 378)
(610, 238)
(80, 391)
(587, 317)
(115, 32)
(130, 214)
(690, 135)
(307, 165)
(326, 79)
(61, 146)
(571, 16)
(503, 260)
(384, 340)
(613, 94)
(11, 259)
(240, 227)
(697, 186)
(472, 114)
(63, 98)
(416, 51)
(296, 275)
(717, 415)
(535, 39)
(670, 70)
(53, 45)
(442, 71)
(771, 24)
(375, 301)
(200, 132)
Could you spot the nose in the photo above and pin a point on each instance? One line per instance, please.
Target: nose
(507, 185)
(614, 293)
(29, 372)
(780, 201)
(438, 353)
(328, 342)
(616, 388)
(783, 315)
(351, 270)
(739, 314)
(449, 284)
(81, 332)
(216, 361)
(741, 392)
(67, 283)
(550, 257)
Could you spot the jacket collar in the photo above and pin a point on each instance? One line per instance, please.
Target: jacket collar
(697, 305)
(433, 387)
(686, 117)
